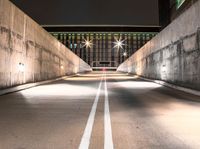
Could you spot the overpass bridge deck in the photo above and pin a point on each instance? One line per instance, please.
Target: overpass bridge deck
(99, 110)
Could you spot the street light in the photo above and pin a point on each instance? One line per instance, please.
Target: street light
(87, 43)
(125, 54)
(119, 43)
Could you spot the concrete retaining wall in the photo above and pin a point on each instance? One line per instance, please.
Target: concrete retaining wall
(173, 55)
(28, 53)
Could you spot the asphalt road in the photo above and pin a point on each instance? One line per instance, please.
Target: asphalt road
(100, 111)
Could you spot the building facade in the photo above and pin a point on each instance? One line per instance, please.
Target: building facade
(103, 50)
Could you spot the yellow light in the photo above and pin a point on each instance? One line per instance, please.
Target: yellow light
(87, 43)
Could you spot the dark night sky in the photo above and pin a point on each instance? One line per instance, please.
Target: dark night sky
(91, 12)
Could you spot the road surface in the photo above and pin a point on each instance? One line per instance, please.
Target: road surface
(100, 110)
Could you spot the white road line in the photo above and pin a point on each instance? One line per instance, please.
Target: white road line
(108, 141)
(85, 141)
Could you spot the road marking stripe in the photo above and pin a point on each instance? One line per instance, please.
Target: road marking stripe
(85, 141)
(108, 141)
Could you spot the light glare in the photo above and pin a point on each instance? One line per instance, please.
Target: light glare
(21, 67)
(124, 54)
(87, 43)
(119, 43)
(138, 84)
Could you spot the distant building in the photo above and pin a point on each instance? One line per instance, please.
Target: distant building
(103, 51)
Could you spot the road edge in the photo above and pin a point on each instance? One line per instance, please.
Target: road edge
(30, 85)
(163, 83)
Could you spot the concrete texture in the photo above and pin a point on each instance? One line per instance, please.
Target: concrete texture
(144, 115)
(173, 55)
(163, 83)
(29, 85)
(23, 42)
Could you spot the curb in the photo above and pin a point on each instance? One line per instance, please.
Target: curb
(163, 83)
(30, 85)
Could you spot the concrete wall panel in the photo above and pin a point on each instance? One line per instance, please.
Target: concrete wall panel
(24, 42)
(173, 55)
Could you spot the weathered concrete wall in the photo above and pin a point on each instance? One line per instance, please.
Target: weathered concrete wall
(173, 55)
(23, 41)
